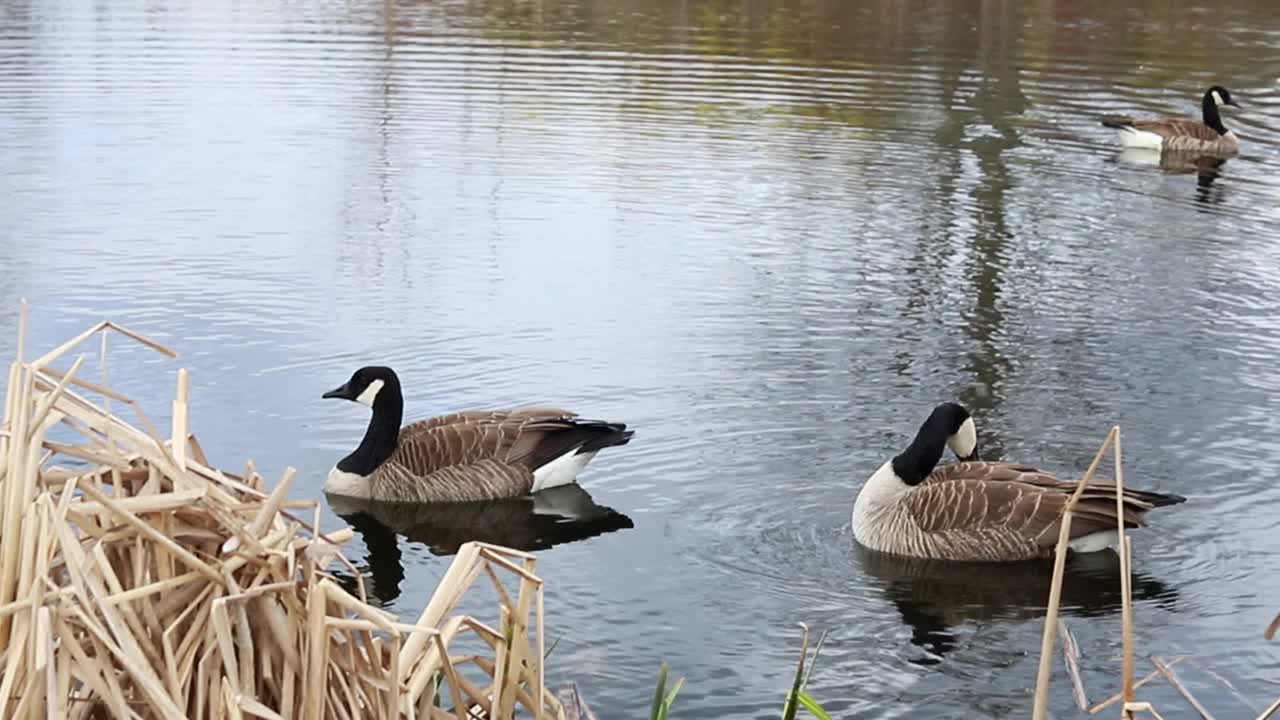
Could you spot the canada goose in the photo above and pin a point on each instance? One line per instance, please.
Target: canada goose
(988, 511)
(1209, 136)
(462, 456)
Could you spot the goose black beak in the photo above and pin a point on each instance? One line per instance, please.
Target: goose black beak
(343, 393)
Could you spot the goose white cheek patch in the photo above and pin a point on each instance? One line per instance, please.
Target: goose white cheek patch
(1217, 98)
(965, 439)
(370, 393)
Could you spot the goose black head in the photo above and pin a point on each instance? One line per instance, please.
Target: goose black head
(948, 426)
(1220, 96)
(367, 385)
(957, 423)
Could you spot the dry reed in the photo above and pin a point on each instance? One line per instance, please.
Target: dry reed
(139, 581)
(1130, 707)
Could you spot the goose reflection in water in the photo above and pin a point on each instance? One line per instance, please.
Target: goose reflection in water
(935, 597)
(554, 516)
(1206, 168)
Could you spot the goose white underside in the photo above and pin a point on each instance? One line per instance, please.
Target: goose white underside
(562, 470)
(1135, 138)
(1094, 542)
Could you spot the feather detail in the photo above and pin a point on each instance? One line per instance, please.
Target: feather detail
(990, 511)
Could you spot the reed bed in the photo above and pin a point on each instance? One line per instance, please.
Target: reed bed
(1130, 707)
(139, 581)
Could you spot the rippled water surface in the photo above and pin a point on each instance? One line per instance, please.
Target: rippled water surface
(770, 236)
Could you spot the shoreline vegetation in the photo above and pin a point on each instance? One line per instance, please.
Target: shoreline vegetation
(139, 580)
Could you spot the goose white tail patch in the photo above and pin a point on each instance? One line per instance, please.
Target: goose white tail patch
(1094, 542)
(1135, 138)
(1144, 157)
(370, 393)
(561, 471)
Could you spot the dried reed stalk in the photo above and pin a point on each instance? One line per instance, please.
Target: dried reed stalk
(1270, 632)
(1041, 708)
(1225, 683)
(1271, 710)
(1172, 677)
(1071, 657)
(1129, 705)
(1095, 709)
(1126, 591)
(148, 583)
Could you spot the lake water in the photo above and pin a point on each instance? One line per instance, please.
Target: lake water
(770, 236)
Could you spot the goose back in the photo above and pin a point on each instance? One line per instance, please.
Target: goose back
(484, 454)
(1183, 135)
(990, 511)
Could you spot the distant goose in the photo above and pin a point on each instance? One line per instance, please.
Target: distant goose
(984, 511)
(1209, 136)
(473, 455)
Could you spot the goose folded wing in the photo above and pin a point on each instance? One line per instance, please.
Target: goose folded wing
(510, 437)
(1178, 128)
(485, 417)
(1030, 475)
(1012, 510)
(994, 472)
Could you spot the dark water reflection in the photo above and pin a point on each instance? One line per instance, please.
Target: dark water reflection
(936, 598)
(552, 517)
(767, 235)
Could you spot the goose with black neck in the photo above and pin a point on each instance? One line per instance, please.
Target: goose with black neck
(1208, 135)
(973, 510)
(461, 456)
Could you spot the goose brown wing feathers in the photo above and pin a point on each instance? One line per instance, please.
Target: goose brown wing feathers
(1008, 518)
(481, 455)
(994, 471)
(507, 437)
(1031, 475)
(1178, 128)
(1167, 128)
(480, 417)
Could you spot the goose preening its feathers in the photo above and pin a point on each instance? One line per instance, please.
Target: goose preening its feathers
(1182, 134)
(472, 455)
(985, 511)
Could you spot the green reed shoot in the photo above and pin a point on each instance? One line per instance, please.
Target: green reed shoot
(797, 698)
(662, 698)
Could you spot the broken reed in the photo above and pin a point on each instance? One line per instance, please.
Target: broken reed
(1129, 706)
(145, 583)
